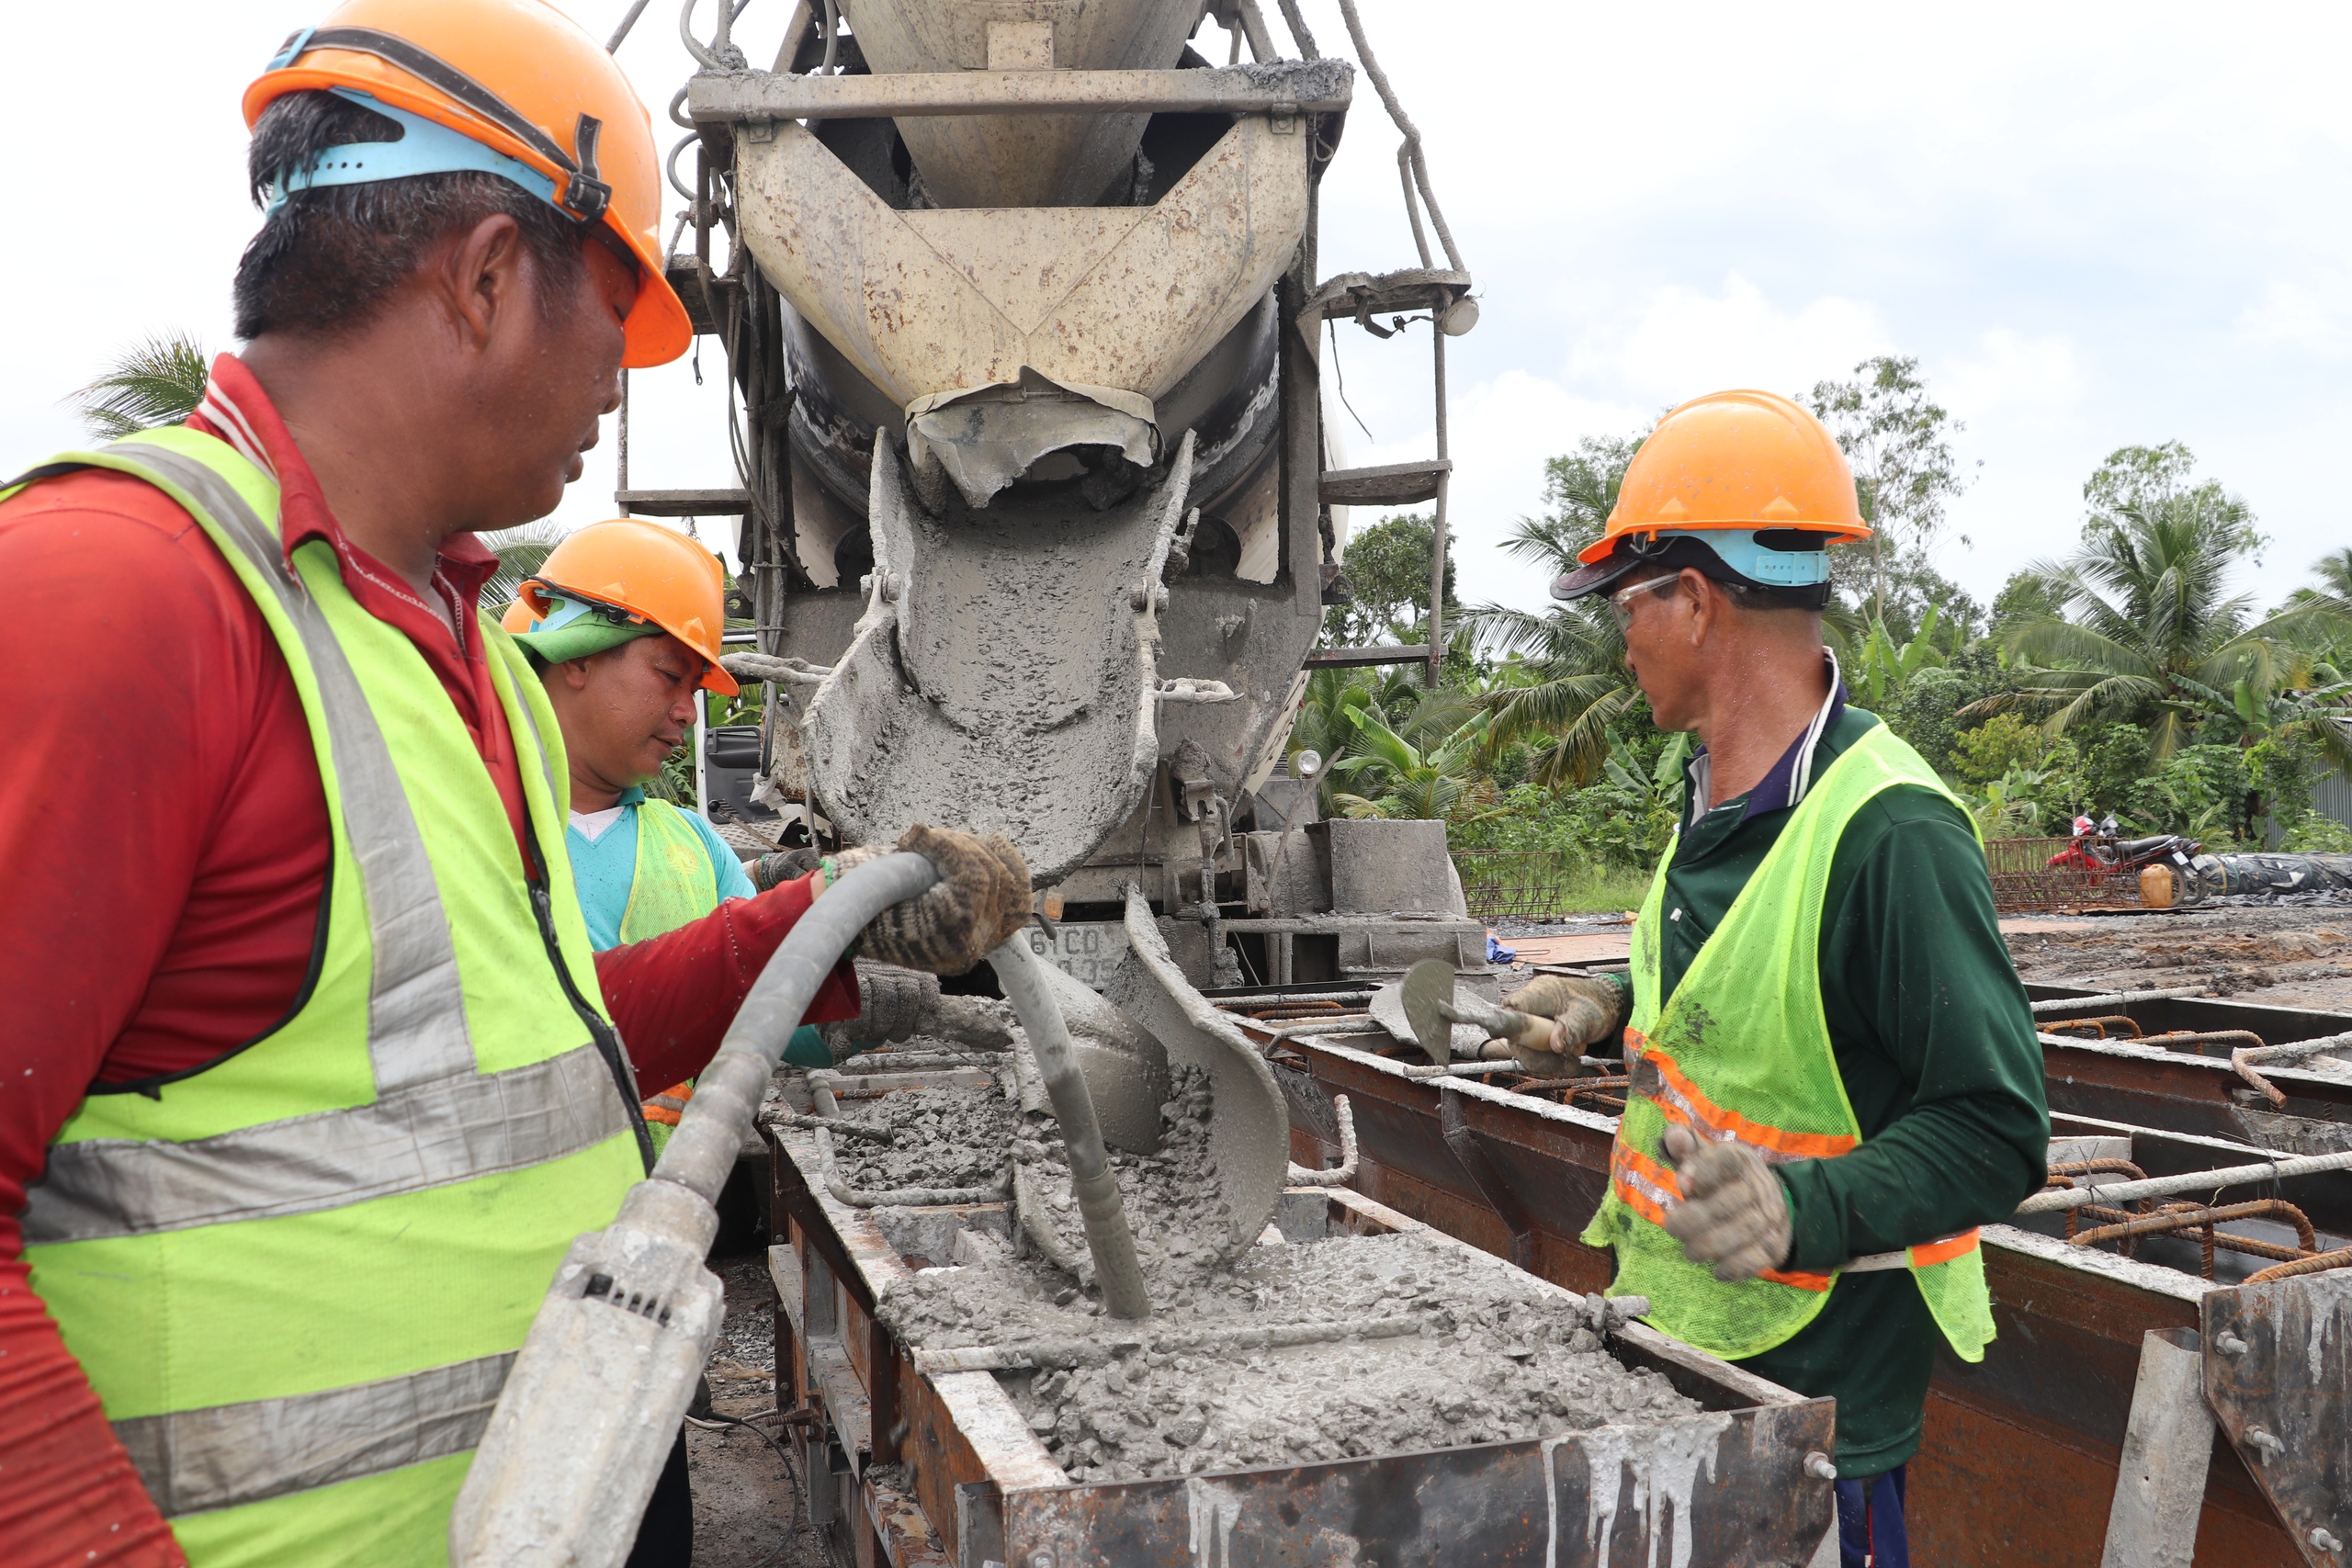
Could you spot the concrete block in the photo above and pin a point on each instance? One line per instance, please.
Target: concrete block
(1386, 867)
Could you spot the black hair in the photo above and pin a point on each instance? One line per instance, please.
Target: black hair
(326, 260)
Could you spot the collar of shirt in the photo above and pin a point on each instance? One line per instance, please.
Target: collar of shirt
(1787, 781)
(238, 411)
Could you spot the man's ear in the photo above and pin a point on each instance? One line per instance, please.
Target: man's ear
(575, 674)
(1706, 604)
(483, 274)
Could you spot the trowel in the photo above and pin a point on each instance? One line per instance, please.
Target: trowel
(1432, 1006)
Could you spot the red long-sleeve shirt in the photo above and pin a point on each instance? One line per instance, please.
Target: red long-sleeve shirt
(164, 854)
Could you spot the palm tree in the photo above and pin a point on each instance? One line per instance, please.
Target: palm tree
(1566, 689)
(2154, 636)
(160, 383)
(521, 552)
(1568, 683)
(1398, 778)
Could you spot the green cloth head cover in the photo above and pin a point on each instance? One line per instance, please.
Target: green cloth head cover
(576, 628)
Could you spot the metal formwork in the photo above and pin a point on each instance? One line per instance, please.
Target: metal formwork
(1503, 1163)
(917, 1467)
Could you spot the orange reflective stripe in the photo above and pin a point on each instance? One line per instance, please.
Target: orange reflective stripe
(667, 1106)
(1680, 1094)
(1802, 1281)
(1646, 1187)
(1944, 1251)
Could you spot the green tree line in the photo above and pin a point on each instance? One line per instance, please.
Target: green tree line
(2130, 676)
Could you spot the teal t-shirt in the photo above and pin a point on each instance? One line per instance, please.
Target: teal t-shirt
(605, 869)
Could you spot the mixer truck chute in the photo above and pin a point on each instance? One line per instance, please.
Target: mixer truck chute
(1023, 321)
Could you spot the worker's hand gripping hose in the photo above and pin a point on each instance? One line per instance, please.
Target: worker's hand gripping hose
(596, 1396)
(1093, 1182)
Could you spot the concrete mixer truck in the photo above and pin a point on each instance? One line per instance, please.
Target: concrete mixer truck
(1023, 324)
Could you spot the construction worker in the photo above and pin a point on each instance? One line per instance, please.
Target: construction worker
(623, 622)
(312, 1074)
(1834, 1069)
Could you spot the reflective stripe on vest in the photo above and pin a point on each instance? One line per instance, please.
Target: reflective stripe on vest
(1741, 1054)
(295, 1276)
(194, 1461)
(670, 1104)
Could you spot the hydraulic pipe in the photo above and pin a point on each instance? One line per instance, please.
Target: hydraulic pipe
(728, 1093)
(1091, 1180)
(592, 1402)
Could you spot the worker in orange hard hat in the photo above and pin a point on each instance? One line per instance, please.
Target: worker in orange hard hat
(313, 1071)
(623, 622)
(1838, 1076)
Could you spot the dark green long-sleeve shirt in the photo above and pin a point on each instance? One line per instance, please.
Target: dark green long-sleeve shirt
(1936, 1045)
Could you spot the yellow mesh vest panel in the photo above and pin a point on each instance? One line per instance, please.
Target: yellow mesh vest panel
(1742, 1050)
(674, 881)
(244, 1307)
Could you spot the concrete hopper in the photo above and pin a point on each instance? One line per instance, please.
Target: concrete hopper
(1099, 310)
(1033, 160)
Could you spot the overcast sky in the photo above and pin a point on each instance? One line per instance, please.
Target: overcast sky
(2093, 225)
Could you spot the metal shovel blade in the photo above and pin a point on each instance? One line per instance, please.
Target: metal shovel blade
(1428, 987)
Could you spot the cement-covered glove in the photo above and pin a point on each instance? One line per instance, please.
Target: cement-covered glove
(1584, 1009)
(981, 897)
(1734, 1216)
(776, 869)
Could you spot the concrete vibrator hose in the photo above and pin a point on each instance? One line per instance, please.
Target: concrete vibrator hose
(595, 1397)
(1092, 1180)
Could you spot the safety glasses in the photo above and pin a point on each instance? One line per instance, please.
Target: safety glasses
(1620, 602)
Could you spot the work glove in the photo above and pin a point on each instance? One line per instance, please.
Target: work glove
(1585, 1010)
(1734, 1216)
(776, 869)
(981, 897)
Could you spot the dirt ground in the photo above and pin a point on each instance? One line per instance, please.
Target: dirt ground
(2278, 954)
(747, 1513)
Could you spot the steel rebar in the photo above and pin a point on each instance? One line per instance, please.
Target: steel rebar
(2340, 1258)
(2115, 999)
(1093, 1352)
(1345, 1171)
(2187, 1182)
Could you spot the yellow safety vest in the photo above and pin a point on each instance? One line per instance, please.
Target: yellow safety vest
(297, 1276)
(1741, 1053)
(672, 882)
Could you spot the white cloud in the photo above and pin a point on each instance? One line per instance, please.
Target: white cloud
(1680, 343)
(2011, 375)
(1501, 431)
(2317, 319)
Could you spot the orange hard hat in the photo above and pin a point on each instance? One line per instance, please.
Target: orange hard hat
(519, 78)
(517, 619)
(1734, 460)
(639, 571)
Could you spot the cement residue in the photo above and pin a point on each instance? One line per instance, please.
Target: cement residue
(939, 1138)
(1495, 1357)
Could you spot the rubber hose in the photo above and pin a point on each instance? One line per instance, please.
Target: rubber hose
(1092, 1180)
(728, 1093)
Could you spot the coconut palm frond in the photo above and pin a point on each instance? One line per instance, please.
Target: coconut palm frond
(157, 383)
